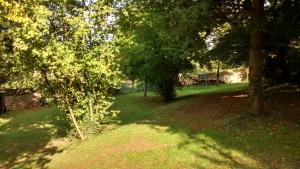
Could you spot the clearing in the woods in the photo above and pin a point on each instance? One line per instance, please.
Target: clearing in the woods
(205, 127)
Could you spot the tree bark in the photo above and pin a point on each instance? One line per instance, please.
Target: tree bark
(255, 62)
(145, 88)
(218, 74)
(2, 104)
(91, 109)
(82, 137)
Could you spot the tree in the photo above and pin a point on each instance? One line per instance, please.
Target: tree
(154, 54)
(65, 45)
(266, 29)
(255, 63)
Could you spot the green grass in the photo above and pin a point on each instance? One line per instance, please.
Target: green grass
(149, 133)
(185, 91)
(25, 137)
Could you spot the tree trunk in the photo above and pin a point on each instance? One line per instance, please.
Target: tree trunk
(82, 137)
(91, 108)
(2, 104)
(218, 74)
(255, 63)
(145, 88)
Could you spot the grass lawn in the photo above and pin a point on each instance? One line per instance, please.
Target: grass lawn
(205, 127)
(28, 138)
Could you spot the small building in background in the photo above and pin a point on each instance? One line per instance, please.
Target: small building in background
(210, 78)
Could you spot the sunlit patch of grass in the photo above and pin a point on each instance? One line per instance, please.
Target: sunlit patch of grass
(4, 120)
(223, 88)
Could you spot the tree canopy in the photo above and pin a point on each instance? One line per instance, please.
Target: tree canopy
(65, 50)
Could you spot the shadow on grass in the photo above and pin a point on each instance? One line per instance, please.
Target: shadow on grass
(25, 139)
(219, 141)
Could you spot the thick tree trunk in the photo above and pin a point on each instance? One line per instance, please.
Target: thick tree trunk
(256, 91)
(255, 63)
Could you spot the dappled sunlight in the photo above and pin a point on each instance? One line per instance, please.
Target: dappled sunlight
(209, 152)
(201, 146)
(4, 120)
(236, 96)
(193, 128)
(152, 146)
(241, 96)
(201, 131)
(27, 138)
(161, 128)
(37, 160)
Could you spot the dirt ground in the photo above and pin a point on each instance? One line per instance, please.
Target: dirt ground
(282, 106)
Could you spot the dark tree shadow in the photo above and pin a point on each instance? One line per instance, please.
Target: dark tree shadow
(26, 138)
(208, 112)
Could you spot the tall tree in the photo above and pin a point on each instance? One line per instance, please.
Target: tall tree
(156, 53)
(256, 59)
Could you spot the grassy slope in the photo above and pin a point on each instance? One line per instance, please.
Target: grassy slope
(153, 134)
(187, 133)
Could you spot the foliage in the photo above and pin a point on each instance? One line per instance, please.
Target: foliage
(210, 31)
(20, 23)
(280, 31)
(65, 47)
(150, 51)
(231, 45)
